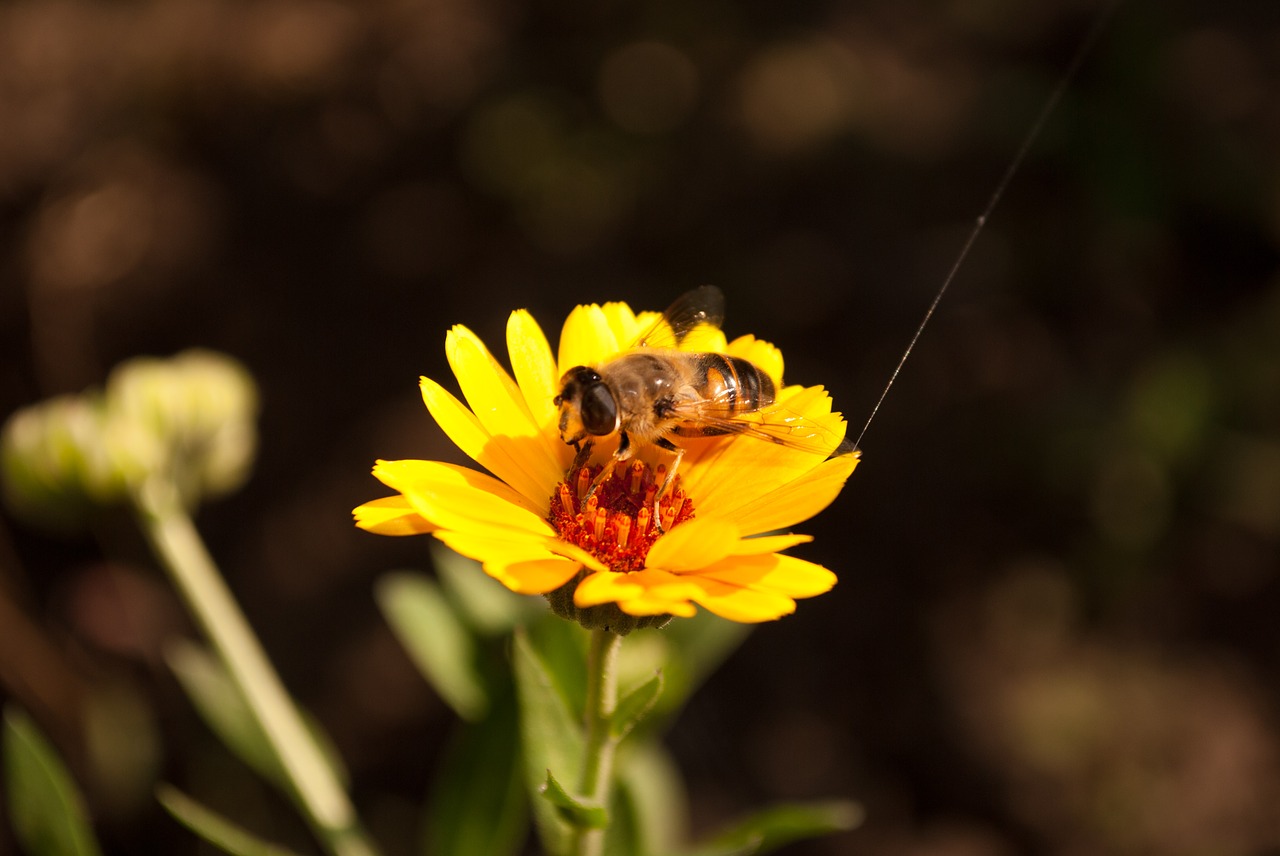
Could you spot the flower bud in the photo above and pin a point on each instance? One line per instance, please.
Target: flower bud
(54, 462)
(190, 418)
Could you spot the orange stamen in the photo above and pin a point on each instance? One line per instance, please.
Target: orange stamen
(613, 517)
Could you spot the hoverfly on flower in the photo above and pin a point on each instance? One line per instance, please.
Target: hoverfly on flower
(609, 531)
(656, 390)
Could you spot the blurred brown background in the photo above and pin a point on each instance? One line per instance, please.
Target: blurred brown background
(1055, 631)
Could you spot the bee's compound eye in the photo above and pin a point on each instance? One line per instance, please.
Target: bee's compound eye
(599, 410)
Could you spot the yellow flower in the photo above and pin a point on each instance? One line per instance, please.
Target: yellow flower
(538, 528)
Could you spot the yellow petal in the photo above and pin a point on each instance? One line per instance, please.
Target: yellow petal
(768, 544)
(538, 576)
(405, 475)
(605, 587)
(740, 603)
(587, 339)
(577, 554)
(534, 367)
(693, 544)
(728, 473)
(760, 353)
(499, 455)
(524, 566)
(622, 321)
(797, 500)
(653, 605)
(453, 504)
(614, 587)
(391, 515)
(499, 405)
(785, 575)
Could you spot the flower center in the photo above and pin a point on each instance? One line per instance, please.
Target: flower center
(615, 523)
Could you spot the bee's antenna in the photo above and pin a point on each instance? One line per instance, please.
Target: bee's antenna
(1091, 38)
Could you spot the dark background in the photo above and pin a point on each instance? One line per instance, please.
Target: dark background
(1055, 627)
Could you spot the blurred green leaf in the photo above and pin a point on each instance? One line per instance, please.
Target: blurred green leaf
(696, 648)
(46, 809)
(478, 804)
(218, 700)
(213, 827)
(576, 812)
(562, 648)
(221, 705)
(647, 814)
(488, 606)
(436, 640)
(771, 828)
(550, 734)
(634, 706)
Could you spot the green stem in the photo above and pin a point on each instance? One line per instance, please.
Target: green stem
(597, 762)
(177, 543)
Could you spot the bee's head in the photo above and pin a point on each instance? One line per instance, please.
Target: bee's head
(587, 406)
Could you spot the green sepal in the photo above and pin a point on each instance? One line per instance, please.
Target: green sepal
(634, 706)
(576, 812)
(45, 807)
(213, 827)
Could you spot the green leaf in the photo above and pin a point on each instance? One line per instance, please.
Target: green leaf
(698, 646)
(46, 809)
(478, 804)
(221, 705)
(437, 641)
(213, 827)
(647, 814)
(634, 705)
(550, 735)
(578, 813)
(218, 700)
(487, 605)
(562, 647)
(774, 827)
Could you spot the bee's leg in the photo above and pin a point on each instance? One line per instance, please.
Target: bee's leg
(582, 453)
(624, 453)
(666, 483)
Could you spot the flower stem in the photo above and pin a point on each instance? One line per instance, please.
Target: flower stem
(176, 542)
(597, 761)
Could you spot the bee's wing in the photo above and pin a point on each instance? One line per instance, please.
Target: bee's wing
(775, 423)
(704, 306)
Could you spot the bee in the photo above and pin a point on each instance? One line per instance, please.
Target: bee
(654, 392)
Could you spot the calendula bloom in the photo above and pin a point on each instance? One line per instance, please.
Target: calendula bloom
(537, 526)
